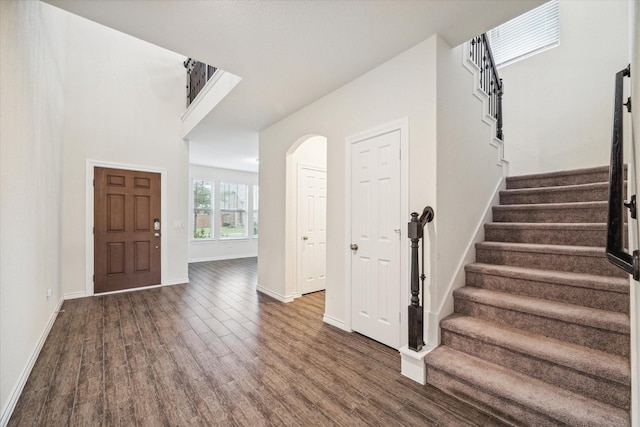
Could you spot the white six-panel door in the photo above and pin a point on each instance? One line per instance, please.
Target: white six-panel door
(375, 229)
(312, 228)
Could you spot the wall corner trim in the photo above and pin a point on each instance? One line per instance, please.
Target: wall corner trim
(74, 295)
(24, 376)
(335, 322)
(274, 295)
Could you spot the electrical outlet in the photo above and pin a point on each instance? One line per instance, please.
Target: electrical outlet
(49, 292)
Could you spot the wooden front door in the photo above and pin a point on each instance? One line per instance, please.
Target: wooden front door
(126, 229)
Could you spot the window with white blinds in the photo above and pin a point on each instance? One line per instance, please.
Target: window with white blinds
(526, 35)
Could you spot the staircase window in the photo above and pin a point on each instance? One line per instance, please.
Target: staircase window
(526, 35)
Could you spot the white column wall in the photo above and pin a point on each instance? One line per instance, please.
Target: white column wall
(32, 111)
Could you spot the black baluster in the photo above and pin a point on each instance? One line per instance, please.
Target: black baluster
(415, 312)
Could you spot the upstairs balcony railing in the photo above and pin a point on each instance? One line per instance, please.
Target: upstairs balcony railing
(198, 74)
(490, 81)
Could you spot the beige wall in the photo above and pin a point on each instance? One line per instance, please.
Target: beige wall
(403, 87)
(32, 108)
(124, 100)
(469, 171)
(634, 37)
(558, 104)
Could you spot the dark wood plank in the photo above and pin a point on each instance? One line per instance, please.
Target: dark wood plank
(216, 352)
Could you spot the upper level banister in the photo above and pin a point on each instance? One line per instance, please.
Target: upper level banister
(490, 82)
(198, 74)
(615, 220)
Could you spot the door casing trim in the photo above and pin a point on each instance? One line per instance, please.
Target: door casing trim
(401, 125)
(89, 218)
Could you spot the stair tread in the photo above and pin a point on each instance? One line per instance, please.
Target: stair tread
(569, 313)
(544, 248)
(556, 188)
(583, 280)
(550, 206)
(587, 360)
(578, 226)
(554, 174)
(544, 398)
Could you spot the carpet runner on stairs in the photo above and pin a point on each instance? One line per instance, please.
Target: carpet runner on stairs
(540, 333)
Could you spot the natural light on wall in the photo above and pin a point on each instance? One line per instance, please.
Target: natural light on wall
(526, 35)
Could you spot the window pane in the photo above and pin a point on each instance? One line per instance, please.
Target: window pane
(255, 209)
(530, 33)
(202, 208)
(233, 210)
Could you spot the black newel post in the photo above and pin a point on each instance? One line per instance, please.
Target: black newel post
(500, 135)
(415, 310)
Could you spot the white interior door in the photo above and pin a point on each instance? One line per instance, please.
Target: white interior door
(312, 228)
(375, 229)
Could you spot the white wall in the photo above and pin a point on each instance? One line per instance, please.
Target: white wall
(558, 104)
(124, 100)
(634, 36)
(207, 250)
(469, 172)
(312, 151)
(402, 87)
(31, 145)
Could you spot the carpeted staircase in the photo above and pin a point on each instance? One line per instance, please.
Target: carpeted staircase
(540, 333)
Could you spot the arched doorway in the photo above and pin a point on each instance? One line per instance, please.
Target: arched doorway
(305, 222)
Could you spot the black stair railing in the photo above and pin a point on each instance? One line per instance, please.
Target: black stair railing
(616, 213)
(490, 81)
(198, 74)
(416, 310)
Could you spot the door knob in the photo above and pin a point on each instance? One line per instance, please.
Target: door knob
(305, 237)
(354, 247)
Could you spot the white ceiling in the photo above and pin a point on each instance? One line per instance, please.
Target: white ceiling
(288, 53)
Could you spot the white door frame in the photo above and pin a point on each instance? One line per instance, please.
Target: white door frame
(89, 217)
(401, 125)
(299, 244)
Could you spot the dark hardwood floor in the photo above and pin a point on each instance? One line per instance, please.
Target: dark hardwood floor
(215, 352)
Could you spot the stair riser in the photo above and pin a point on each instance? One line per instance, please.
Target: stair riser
(544, 215)
(474, 395)
(575, 263)
(599, 339)
(596, 388)
(586, 297)
(570, 237)
(593, 195)
(586, 178)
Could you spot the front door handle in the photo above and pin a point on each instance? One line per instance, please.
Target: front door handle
(354, 247)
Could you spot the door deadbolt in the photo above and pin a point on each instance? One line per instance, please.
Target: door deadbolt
(354, 247)
(305, 237)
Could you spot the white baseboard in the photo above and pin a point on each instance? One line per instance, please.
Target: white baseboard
(176, 282)
(24, 376)
(334, 322)
(144, 288)
(274, 295)
(222, 258)
(74, 295)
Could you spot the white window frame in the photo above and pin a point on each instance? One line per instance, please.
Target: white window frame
(213, 210)
(526, 35)
(255, 209)
(246, 211)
